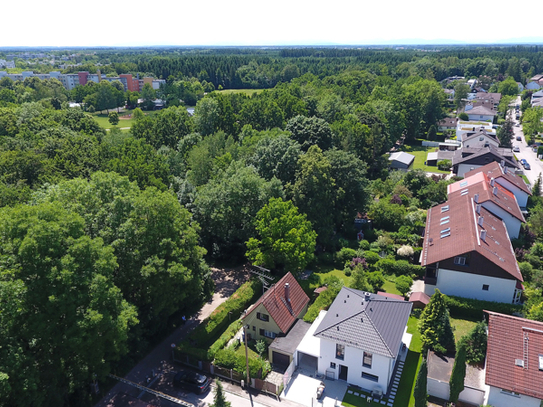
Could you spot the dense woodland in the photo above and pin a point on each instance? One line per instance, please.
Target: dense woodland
(106, 236)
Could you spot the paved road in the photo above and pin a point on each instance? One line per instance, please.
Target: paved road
(159, 359)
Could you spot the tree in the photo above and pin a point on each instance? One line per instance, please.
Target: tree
(63, 320)
(463, 116)
(456, 382)
(113, 118)
(206, 116)
(403, 284)
(219, 399)
(461, 91)
(475, 344)
(285, 237)
(420, 392)
(508, 87)
(148, 95)
(432, 133)
(435, 326)
(531, 121)
(505, 133)
(309, 131)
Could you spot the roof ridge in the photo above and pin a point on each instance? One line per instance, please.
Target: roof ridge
(337, 323)
(379, 333)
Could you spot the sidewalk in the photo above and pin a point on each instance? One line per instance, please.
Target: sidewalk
(256, 397)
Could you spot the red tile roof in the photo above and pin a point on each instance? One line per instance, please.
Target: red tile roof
(420, 297)
(495, 170)
(282, 310)
(481, 184)
(459, 215)
(514, 341)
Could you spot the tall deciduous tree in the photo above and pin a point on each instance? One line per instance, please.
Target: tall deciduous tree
(456, 382)
(435, 326)
(420, 392)
(309, 131)
(285, 238)
(206, 116)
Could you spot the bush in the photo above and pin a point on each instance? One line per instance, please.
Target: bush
(224, 338)
(324, 300)
(475, 342)
(371, 257)
(230, 359)
(399, 267)
(526, 270)
(403, 284)
(364, 245)
(405, 251)
(444, 165)
(376, 280)
(344, 255)
(467, 308)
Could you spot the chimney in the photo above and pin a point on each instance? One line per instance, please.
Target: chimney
(478, 209)
(491, 182)
(367, 296)
(480, 221)
(502, 163)
(287, 292)
(483, 235)
(505, 170)
(476, 198)
(495, 191)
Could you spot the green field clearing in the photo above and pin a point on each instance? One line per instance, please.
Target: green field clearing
(420, 154)
(248, 92)
(124, 121)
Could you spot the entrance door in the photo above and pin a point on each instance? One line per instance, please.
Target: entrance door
(343, 372)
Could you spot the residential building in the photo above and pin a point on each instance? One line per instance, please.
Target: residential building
(468, 159)
(478, 138)
(481, 113)
(467, 127)
(277, 309)
(514, 361)
(448, 123)
(359, 339)
(467, 251)
(536, 97)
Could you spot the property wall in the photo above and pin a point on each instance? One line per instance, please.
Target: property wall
(468, 285)
(498, 399)
(512, 224)
(257, 324)
(441, 389)
(381, 365)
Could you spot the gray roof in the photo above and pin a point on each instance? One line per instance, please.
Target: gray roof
(373, 323)
(289, 343)
(402, 157)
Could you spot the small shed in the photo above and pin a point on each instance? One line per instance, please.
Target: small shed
(419, 299)
(281, 351)
(401, 160)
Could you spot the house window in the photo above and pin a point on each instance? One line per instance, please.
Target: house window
(340, 351)
(366, 361)
(509, 393)
(460, 260)
(371, 377)
(263, 317)
(267, 334)
(332, 365)
(254, 328)
(485, 287)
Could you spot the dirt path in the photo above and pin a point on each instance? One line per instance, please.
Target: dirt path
(158, 360)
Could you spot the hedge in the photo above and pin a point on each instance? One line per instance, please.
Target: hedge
(323, 301)
(467, 308)
(230, 359)
(224, 338)
(399, 267)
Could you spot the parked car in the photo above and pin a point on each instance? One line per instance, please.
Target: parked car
(527, 166)
(522, 161)
(516, 149)
(518, 138)
(191, 381)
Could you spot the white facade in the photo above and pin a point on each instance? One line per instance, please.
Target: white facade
(520, 195)
(468, 285)
(512, 224)
(463, 168)
(381, 366)
(477, 141)
(440, 389)
(465, 127)
(499, 398)
(480, 117)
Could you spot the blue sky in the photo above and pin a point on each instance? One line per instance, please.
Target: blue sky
(250, 22)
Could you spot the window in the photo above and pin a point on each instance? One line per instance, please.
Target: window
(254, 328)
(340, 351)
(332, 365)
(267, 334)
(510, 393)
(371, 377)
(460, 260)
(540, 362)
(485, 287)
(263, 317)
(366, 361)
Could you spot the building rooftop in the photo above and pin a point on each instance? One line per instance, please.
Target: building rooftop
(495, 170)
(402, 157)
(290, 342)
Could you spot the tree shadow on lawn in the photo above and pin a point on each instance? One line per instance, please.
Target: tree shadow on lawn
(407, 382)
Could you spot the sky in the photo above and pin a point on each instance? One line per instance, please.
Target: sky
(66, 23)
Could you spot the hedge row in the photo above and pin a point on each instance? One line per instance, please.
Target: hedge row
(224, 338)
(399, 267)
(466, 308)
(323, 301)
(230, 359)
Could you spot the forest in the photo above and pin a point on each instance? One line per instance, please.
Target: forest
(106, 235)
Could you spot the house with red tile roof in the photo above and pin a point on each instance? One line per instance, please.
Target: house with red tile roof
(507, 179)
(514, 361)
(467, 251)
(277, 310)
(493, 197)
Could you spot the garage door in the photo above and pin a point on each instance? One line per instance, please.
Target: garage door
(280, 360)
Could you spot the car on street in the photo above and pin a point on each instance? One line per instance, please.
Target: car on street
(522, 161)
(518, 138)
(527, 166)
(191, 381)
(516, 149)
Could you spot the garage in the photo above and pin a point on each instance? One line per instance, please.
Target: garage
(280, 360)
(307, 362)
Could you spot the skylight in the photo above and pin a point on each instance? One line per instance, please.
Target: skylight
(445, 230)
(445, 208)
(464, 192)
(446, 235)
(444, 222)
(540, 362)
(463, 184)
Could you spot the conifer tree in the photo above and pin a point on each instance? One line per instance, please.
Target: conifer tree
(456, 382)
(435, 326)
(420, 393)
(220, 399)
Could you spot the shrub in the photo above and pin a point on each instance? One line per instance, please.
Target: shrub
(399, 267)
(403, 284)
(344, 255)
(324, 300)
(526, 270)
(444, 165)
(224, 338)
(467, 308)
(475, 342)
(371, 257)
(376, 280)
(364, 245)
(405, 251)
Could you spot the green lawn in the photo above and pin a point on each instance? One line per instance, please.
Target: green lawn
(319, 275)
(103, 121)
(248, 92)
(390, 285)
(461, 327)
(420, 154)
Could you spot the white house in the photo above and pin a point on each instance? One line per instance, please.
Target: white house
(467, 252)
(359, 339)
(514, 361)
(468, 127)
(481, 113)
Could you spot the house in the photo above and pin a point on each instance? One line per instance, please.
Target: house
(507, 179)
(481, 113)
(536, 97)
(467, 159)
(514, 361)
(449, 93)
(466, 127)
(489, 97)
(277, 310)
(401, 160)
(492, 196)
(479, 137)
(359, 339)
(520, 87)
(448, 123)
(432, 158)
(535, 82)
(467, 252)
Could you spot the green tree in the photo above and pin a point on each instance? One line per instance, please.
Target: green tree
(309, 131)
(63, 320)
(403, 284)
(435, 326)
(475, 343)
(461, 91)
(505, 133)
(531, 121)
(148, 94)
(113, 118)
(463, 116)
(285, 237)
(206, 116)
(219, 400)
(456, 382)
(420, 392)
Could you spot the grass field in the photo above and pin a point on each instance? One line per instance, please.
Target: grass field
(103, 121)
(461, 327)
(248, 92)
(420, 154)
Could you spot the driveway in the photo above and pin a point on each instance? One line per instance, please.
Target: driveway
(303, 390)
